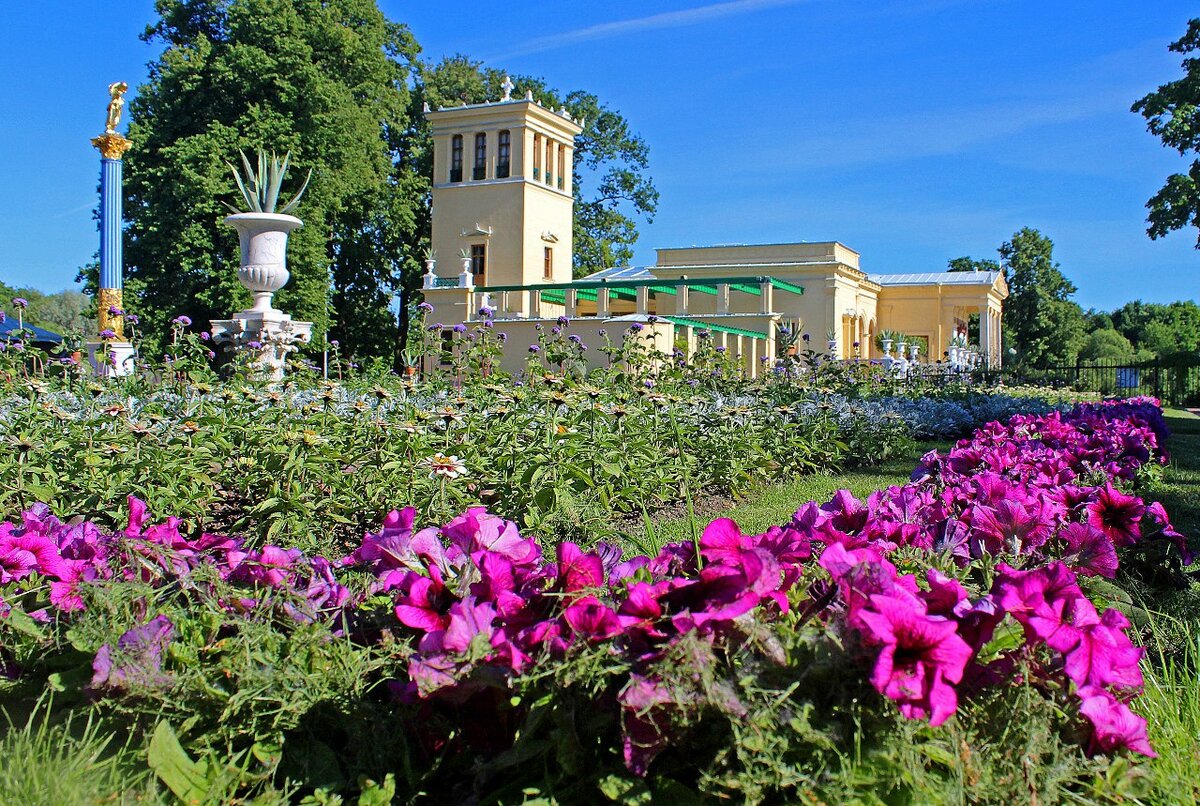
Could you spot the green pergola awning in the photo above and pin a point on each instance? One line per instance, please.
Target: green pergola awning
(784, 285)
(701, 324)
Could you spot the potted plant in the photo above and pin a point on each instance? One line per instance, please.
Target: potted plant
(412, 360)
(263, 225)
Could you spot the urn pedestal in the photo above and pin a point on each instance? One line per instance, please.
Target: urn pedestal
(262, 331)
(112, 359)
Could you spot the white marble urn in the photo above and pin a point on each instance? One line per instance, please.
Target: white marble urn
(264, 238)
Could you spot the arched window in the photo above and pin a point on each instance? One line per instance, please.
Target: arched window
(549, 161)
(456, 158)
(562, 166)
(503, 154)
(537, 156)
(480, 157)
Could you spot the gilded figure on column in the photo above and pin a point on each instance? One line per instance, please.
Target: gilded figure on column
(117, 90)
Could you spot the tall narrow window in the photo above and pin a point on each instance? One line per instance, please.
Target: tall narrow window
(537, 156)
(562, 166)
(480, 157)
(503, 154)
(548, 263)
(549, 161)
(478, 261)
(456, 158)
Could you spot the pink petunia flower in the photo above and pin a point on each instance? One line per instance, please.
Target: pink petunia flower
(920, 657)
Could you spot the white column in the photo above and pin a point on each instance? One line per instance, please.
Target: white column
(602, 303)
(767, 300)
(571, 303)
(643, 299)
(723, 298)
(985, 334)
(681, 300)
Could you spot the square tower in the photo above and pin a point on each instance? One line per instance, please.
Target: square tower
(502, 191)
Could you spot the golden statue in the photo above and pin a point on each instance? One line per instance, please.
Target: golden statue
(117, 90)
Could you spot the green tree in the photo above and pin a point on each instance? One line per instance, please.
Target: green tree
(1106, 345)
(970, 264)
(612, 187)
(1045, 324)
(1171, 115)
(1163, 330)
(327, 81)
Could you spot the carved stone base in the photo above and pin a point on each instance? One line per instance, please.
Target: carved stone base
(265, 337)
(114, 362)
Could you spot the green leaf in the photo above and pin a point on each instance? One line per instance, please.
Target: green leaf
(374, 794)
(620, 789)
(187, 779)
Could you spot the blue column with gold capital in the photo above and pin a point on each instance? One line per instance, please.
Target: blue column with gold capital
(111, 216)
(112, 148)
(112, 355)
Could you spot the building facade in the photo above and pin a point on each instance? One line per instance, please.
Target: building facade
(502, 224)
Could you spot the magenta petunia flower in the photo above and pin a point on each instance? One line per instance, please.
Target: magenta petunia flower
(1117, 515)
(578, 570)
(591, 619)
(1101, 654)
(15, 563)
(1089, 551)
(647, 710)
(137, 659)
(1012, 526)
(920, 657)
(1114, 726)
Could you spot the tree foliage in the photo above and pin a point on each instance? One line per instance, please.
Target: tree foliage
(970, 264)
(612, 187)
(1106, 345)
(1045, 324)
(1164, 330)
(61, 312)
(1172, 114)
(327, 81)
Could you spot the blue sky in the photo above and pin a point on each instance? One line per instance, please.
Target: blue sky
(911, 130)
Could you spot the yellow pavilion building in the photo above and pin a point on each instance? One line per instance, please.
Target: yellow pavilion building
(502, 206)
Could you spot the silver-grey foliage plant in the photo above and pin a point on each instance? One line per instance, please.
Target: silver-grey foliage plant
(260, 188)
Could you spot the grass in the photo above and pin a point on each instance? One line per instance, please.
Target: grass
(774, 504)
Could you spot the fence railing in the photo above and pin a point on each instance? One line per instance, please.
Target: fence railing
(1174, 382)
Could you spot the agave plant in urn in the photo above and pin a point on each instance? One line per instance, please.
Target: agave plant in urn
(263, 225)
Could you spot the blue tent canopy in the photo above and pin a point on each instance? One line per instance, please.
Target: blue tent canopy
(40, 335)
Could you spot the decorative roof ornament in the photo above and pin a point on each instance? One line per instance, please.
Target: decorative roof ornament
(507, 86)
(426, 108)
(528, 95)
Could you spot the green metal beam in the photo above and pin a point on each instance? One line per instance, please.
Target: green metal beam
(702, 324)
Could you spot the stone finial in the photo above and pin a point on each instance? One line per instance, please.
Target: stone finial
(507, 86)
(528, 95)
(426, 107)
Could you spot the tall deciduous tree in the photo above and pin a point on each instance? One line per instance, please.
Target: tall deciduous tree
(326, 80)
(612, 186)
(970, 264)
(1172, 114)
(1046, 325)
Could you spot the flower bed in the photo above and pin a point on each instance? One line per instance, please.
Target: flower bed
(309, 466)
(741, 665)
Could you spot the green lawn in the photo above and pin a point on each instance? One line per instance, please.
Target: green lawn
(773, 505)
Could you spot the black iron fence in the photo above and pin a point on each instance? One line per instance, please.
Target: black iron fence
(1176, 382)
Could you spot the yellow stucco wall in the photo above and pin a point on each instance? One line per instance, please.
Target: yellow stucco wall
(523, 215)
